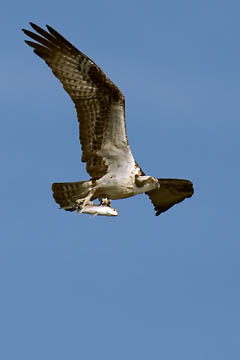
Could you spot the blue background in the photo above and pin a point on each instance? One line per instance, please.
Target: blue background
(136, 286)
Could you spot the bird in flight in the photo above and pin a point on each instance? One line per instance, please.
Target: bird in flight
(100, 105)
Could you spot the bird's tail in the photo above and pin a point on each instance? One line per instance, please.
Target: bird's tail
(67, 194)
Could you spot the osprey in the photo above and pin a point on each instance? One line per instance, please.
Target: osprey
(100, 107)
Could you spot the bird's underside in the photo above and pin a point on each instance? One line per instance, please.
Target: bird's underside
(100, 107)
(167, 192)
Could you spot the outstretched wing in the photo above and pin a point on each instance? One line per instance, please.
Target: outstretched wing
(99, 103)
(171, 192)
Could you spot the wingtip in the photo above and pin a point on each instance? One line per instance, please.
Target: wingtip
(32, 24)
(36, 27)
(49, 28)
(54, 32)
(29, 43)
(191, 188)
(27, 32)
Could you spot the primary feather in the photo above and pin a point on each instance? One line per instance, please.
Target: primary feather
(100, 107)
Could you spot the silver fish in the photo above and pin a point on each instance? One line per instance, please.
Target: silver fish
(101, 210)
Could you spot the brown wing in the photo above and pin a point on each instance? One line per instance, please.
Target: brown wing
(97, 100)
(171, 192)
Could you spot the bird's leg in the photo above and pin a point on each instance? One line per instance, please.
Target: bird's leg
(86, 201)
(80, 203)
(105, 202)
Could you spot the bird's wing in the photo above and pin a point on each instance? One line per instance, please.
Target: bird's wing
(99, 103)
(171, 192)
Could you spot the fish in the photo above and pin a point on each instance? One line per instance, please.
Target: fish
(102, 210)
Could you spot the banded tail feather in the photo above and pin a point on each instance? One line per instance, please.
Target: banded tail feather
(100, 105)
(66, 194)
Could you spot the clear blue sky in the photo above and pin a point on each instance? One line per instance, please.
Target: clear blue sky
(136, 286)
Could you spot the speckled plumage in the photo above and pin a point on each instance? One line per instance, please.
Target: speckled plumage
(100, 107)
